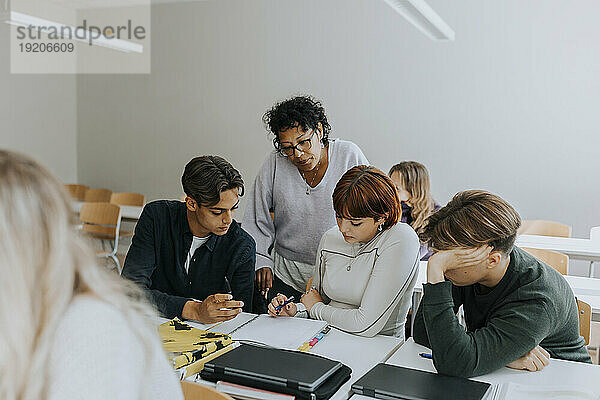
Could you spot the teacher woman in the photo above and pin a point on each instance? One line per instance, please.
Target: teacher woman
(289, 206)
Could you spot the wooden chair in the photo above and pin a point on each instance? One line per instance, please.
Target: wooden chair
(97, 196)
(194, 391)
(544, 228)
(556, 260)
(102, 221)
(128, 199)
(585, 320)
(77, 192)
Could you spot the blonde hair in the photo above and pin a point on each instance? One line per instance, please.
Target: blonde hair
(44, 264)
(415, 180)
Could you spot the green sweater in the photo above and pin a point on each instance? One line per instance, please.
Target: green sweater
(532, 305)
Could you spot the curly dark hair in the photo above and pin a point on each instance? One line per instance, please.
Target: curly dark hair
(301, 111)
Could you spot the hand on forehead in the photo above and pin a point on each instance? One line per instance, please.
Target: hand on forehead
(463, 256)
(472, 251)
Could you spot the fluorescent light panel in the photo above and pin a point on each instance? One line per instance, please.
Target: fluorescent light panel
(423, 17)
(25, 20)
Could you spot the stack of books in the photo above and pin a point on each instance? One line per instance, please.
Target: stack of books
(189, 348)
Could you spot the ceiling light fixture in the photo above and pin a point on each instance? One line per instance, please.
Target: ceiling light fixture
(423, 17)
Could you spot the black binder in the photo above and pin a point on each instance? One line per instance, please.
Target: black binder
(386, 381)
(301, 374)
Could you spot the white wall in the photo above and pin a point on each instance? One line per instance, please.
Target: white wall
(511, 106)
(38, 114)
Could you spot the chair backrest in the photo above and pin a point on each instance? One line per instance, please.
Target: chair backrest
(556, 260)
(585, 320)
(128, 199)
(101, 218)
(544, 228)
(98, 195)
(194, 391)
(77, 192)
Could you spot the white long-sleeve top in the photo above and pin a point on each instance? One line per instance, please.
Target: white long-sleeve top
(367, 287)
(97, 356)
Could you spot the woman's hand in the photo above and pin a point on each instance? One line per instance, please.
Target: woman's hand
(311, 298)
(289, 310)
(264, 279)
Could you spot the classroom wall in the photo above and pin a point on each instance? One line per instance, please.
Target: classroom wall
(39, 115)
(511, 106)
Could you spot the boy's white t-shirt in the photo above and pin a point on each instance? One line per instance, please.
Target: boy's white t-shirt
(196, 242)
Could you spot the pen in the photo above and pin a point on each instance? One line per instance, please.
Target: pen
(308, 285)
(426, 355)
(288, 301)
(227, 286)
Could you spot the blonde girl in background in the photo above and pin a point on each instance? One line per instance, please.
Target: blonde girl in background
(412, 184)
(69, 329)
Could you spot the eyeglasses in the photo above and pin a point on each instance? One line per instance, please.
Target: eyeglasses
(302, 146)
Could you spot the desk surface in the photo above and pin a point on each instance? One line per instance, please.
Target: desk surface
(127, 212)
(359, 353)
(577, 249)
(559, 372)
(586, 289)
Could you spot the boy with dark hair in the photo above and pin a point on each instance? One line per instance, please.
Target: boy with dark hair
(519, 311)
(183, 251)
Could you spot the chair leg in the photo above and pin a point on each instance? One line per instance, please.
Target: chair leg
(117, 263)
(416, 299)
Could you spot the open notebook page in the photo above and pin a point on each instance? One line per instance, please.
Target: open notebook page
(282, 332)
(515, 391)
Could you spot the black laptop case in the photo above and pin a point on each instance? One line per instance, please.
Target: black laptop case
(386, 381)
(304, 375)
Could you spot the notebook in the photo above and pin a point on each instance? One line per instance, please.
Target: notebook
(248, 393)
(515, 391)
(386, 381)
(283, 368)
(282, 332)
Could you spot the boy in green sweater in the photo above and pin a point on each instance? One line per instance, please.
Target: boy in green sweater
(519, 311)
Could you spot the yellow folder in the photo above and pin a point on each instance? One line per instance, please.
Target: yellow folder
(186, 345)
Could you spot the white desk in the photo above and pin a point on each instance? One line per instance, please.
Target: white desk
(576, 249)
(129, 213)
(585, 289)
(588, 290)
(359, 353)
(584, 376)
